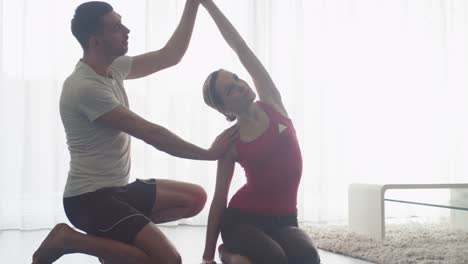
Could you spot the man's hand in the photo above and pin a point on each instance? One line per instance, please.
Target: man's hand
(222, 142)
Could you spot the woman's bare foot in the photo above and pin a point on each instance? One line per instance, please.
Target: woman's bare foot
(53, 246)
(231, 258)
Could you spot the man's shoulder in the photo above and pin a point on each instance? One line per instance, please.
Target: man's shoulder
(81, 80)
(78, 87)
(121, 66)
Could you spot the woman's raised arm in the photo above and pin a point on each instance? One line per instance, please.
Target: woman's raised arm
(264, 84)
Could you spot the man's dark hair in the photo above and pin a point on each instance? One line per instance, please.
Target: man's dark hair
(87, 20)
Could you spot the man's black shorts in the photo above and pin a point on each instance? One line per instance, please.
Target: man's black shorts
(118, 213)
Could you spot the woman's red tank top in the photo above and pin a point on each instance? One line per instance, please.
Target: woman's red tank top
(273, 168)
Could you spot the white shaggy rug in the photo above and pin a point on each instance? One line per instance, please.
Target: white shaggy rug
(421, 243)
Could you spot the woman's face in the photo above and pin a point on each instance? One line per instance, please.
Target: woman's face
(235, 93)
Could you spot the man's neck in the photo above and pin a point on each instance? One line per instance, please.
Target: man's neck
(99, 63)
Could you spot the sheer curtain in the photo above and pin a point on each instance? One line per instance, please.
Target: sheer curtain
(377, 91)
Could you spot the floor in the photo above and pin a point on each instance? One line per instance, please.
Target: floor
(16, 247)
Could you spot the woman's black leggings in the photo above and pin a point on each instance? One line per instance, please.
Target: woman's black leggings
(267, 239)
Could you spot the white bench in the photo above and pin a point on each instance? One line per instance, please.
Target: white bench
(366, 205)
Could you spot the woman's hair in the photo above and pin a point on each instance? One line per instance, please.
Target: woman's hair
(210, 96)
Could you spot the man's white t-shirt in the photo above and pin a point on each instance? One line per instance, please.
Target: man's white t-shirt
(99, 155)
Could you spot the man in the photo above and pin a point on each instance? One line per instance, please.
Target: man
(118, 217)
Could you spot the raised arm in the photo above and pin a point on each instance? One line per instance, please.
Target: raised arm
(151, 62)
(264, 85)
(223, 181)
(123, 119)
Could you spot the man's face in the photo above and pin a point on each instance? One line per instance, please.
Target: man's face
(113, 37)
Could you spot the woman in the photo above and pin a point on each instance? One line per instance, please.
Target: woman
(260, 224)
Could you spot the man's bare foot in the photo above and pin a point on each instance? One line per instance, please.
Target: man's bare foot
(52, 248)
(231, 258)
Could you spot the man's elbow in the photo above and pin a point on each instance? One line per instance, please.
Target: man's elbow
(175, 59)
(173, 56)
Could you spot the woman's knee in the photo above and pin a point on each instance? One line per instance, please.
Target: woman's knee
(298, 246)
(254, 244)
(265, 254)
(272, 257)
(256, 256)
(313, 257)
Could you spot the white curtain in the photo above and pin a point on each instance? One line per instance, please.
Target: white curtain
(378, 91)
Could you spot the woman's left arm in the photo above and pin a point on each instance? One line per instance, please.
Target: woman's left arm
(224, 174)
(264, 84)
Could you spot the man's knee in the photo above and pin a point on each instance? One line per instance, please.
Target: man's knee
(198, 198)
(173, 258)
(167, 257)
(155, 245)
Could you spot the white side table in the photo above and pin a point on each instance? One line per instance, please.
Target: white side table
(366, 205)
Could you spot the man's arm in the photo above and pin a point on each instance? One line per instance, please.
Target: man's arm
(123, 119)
(171, 54)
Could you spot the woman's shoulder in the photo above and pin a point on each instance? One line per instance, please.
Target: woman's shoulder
(273, 109)
(231, 154)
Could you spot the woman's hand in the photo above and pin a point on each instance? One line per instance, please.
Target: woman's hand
(208, 261)
(195, 2)
(199, 1)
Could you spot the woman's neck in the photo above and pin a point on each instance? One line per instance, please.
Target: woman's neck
(251, 115)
